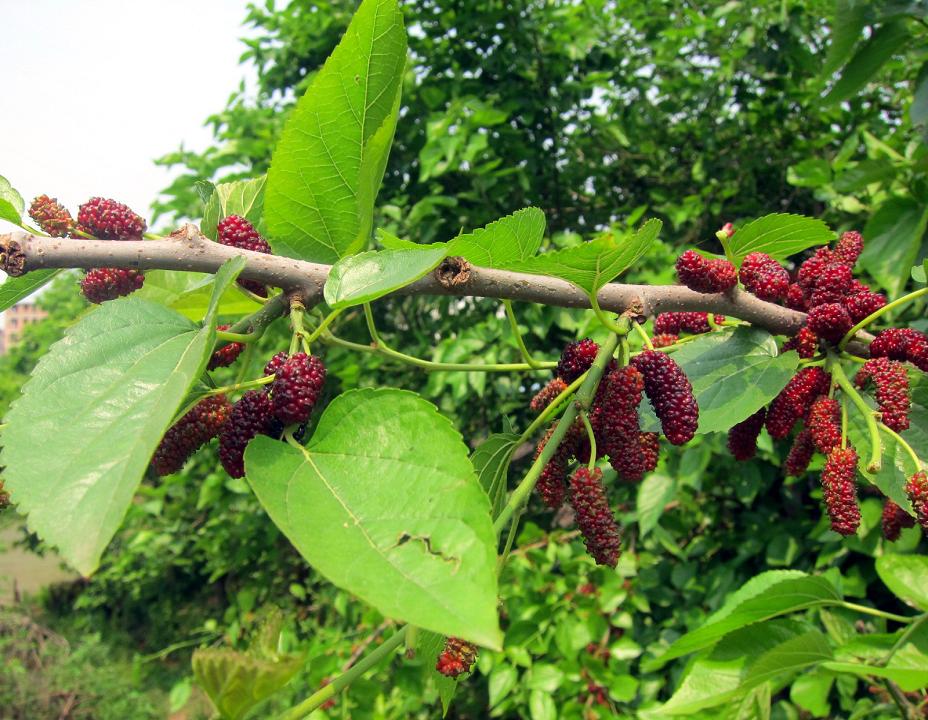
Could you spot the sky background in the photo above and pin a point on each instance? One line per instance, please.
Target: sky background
(94, 90)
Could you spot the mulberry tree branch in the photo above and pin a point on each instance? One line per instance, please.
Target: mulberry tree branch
(188, 249)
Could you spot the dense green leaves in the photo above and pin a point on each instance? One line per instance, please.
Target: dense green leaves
(893, 237)
(236, 682)
(397, 519)
(243, 197)
(907, 577)
(15, 289)
(779, 235)
(367, 276)
(847, 24)
(887, 39)
(331, 156)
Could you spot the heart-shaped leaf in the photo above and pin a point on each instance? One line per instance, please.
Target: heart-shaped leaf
(236, 682)
(779, 235)
(367, 276)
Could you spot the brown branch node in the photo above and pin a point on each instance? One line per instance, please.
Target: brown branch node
(453, 272)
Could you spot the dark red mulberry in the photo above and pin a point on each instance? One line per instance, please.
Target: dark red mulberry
(917, 490)
(250, 417)
(110, 220)
(275, 363)
(804, 342)
(902, 344)
(830, 321)
(800, 454)
(764, 277)
(552, 482)
(795, 400)
(615, 421)
(51, 216)
(824, 424)
(547, 394)
(235, 231)
(796, 298)
(576, 359)
(662, 340)
(673, 323)
(840, 490)
(296, 388)
(742, 438)
(849, 247)
(102, 284)
(705, 275)
(650, 445)
(892, 390)
(227, 354)
(671, 394)
(863, 304)
(812, 267)
(456, 658)
(832, 284)
(196, 428)
(601, 533)
(894, 519)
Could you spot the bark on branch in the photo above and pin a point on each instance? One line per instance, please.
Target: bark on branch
(188, 249)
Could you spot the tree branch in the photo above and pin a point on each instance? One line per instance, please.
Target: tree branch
(188, 249)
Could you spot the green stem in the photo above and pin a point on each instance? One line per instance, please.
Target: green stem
(643, 335)
(250, 350)
(907, 712)
(853, 358)
(725, 239)
(346, 678)
(603, 318)
(876, 613)
(876, 449)
(552, 409)
(296, 322)
(591, 437)
(260, 319)
(520, 341)
(882, 311)
(227, 389)
(227, 336)
(510, 539)
(906, 634)
(327, 320)
(905, 446)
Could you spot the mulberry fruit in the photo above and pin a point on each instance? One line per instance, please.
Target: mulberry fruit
(742, 438)
(840, 490)
(704, 275)
(795, 400)
(863, 304)
(824, 424)
(601, 534)
(764, 277)
(109, 220)
(576, 359)
(832, 284)
(102, 284)
(664, 340)
(615, 422)
(235, 231)
(250, 417)
(547, 395)
(894, 519)
(830, 321)
(456, 658)
(650, 445)
(51, 216)
(800, 454)
(296, 388)
(673, 323)
(227, 354)
(812, 267)
(902, 344)
(796, 298)
(552, 482)
(849, 247)
(917, 490)
(804, 342)
(196, 428)
(275, 363)
(671, 394)
(892, 390)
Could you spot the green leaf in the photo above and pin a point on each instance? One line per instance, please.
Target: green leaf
(653, 494)
(398, 519)
(847, 24)
(106, 392)
(204, 190)
(12, 206)
(504, 242)
(920, 272)
(810, 692)
(796, 654)
(918, 110)
(244, 198)
(491, 460)
(541, 706)
(908, 666)
(236, 682)
(329, 161)
(15, 289)
(864, 173)
(893, 237)
(189, 293)
(907, 577)
(428, 647)
(789, 594)
(591, 265)
(502, 681)
(733, 376)
(367, 276)
(779, 235)
(888, 39)
(813, 173)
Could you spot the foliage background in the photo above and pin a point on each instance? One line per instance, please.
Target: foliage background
(600, 113)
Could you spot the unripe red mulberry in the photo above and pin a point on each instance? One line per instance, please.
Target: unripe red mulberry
(107, 219)
(796, 298)
(227, 354)
(456, 658)
(830, 321)
(764, 277)
(892, 390)
(893, 520)
(275, 363)
(615, 421)
(804, 342)
(824, 424)
(296, 388)
(800, 454)
(673, 323)
(849, 247)
(795, 400)
(576, 359)
(863, 304)
(664, 340)
(917, 490)
(552, 482)
(235, 231)
(601, 533)
(544, 397)
(102, 284)
(840, 490)
(250, 417)
(727, 230)
(51, 216)
(196, 428)
(742, 438)
(812, 267)
(704, 275)
(671, 394)
(832, 284)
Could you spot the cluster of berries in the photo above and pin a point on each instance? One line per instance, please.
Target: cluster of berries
(103, 219)
(456, 658)
(617, 433)
(669, 326)
(235, 231)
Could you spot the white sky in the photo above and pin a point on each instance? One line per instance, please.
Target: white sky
(91, 91)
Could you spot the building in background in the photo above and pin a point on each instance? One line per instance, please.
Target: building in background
(14, 320)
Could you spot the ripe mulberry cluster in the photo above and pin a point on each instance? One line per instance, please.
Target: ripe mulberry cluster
(795, 400)
(840, 490)
(800, 454)
(235, 231)
(916, 488)
(892, 390)
(893, 520)
(764, 277)
(903, 344)
(742, 438)
(615, 423)
(102, 284)
(674, 323)
(601, 533)
(544, 397)
(576, 359)
(51, 216)
(804, 342)
(824, 424)
(456, 658)
(663, 340)
(107, 219)
(830, 321)
(671, 394)
(705, 275)
(251, 416)
(275, 363)
(552, 482)
(196, 428)
(296, 388)
(227, 354)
